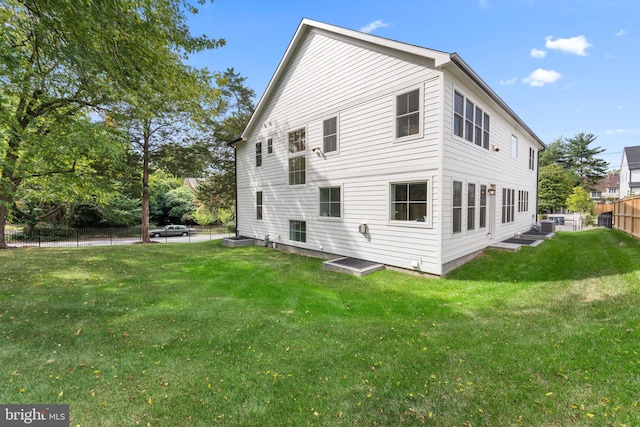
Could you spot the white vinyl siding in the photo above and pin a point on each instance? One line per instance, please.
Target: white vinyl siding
(360, 86)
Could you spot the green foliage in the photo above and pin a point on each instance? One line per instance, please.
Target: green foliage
(578, 158)
(160, 334)
(204, 216)
(218, 191)
(554, 186)
(579, 201)
(61, 60)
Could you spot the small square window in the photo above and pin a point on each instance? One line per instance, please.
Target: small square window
(298, 231)
(409, 201)
(330, 202)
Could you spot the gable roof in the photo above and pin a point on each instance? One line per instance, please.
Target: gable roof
(608, 181)
(633, 156)
(438, 58)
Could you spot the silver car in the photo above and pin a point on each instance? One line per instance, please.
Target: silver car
(171, 230)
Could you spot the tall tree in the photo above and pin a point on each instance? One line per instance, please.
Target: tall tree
(60, 59)
(582, 160)
(156, 119)
(218, 191)
(554, 153)
(554, 186)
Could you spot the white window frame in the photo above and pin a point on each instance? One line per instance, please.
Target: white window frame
(532, 159)
(337, 134)
(472, 208)
(476, 130)
(508, 205)
(427, 223)
(258, 154)
(305, 232)
(455, 207)
(514, 146)
(482, 206)
(295, 155)
(269, 145)
(420, 111)
(259, 205)
(329, 218)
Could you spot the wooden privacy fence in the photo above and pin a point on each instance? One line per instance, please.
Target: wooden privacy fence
(626, 215)
(600, 208)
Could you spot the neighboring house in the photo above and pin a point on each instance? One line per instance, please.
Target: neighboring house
(630, 171)
(607, 189)
(374, 149)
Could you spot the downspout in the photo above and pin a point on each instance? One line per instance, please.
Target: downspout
(235, 173)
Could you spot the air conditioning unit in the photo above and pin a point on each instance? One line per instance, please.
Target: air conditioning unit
(547, 226)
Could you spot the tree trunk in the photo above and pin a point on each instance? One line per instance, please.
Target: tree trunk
(144, 237)
(3, 221)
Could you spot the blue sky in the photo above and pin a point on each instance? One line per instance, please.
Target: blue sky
(564, 66)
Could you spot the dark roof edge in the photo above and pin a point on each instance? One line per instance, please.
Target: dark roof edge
(235, 141)
(456, 59)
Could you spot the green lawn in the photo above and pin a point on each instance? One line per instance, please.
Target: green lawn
(201, 335)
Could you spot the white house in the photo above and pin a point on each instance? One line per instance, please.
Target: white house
(374, 149)
(630, 171)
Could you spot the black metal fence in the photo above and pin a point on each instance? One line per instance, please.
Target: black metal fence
(76, 237)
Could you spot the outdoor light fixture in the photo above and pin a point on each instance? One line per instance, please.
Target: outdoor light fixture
(495, 148)
(492, 191)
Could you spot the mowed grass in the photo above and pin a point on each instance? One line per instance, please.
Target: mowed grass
(201, 335)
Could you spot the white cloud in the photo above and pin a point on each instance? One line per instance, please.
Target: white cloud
(508, 82)
(538, 53)
(577, 45)
(622, 32)
(620, 132)
(371, 27)
(541, 77)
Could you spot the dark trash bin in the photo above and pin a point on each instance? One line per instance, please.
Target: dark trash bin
(605, 219)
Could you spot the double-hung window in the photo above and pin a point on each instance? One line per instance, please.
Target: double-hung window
(508, 205)
(457, 207)
(470, 121)
(269, 146)
(409, 201)
(330, 135)
(408, 114)
(298, 231)
(483, 206)
(297, 157)
(258, 205)
(258, 154)
(523, 201)
(532, 159)
(471, 206)
(330, 204)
